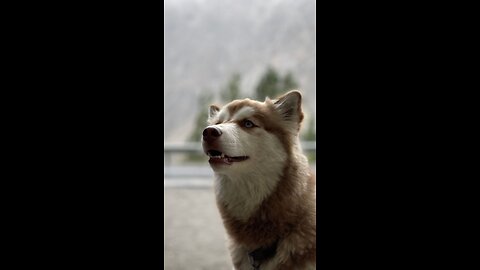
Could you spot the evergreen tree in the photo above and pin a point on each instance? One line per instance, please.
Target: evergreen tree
(269, 85)
(289, 82)
(204, 101)
(272, 84)
(232, 90)
(310, 134)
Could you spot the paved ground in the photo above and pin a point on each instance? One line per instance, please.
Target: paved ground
(194, 234)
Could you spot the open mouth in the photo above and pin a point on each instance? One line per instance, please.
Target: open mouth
(221, 158)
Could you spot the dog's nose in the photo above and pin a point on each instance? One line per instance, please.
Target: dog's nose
(210, 134)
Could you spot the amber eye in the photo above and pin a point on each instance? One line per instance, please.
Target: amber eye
(248, 124)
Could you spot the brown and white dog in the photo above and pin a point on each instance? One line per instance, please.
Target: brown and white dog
(264, 188)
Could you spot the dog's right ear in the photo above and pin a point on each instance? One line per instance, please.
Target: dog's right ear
(290, 106)
(213, 110)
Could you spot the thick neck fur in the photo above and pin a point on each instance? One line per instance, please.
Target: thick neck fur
(255, 199)
(242, 193)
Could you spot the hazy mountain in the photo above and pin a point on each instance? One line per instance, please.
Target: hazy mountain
(208, 40)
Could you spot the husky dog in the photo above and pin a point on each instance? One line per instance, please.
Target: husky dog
(265, 190)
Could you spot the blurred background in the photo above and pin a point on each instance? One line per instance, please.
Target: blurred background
(216, 51)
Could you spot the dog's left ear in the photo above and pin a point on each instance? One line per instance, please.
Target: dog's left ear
(290, 106)
(213, 110)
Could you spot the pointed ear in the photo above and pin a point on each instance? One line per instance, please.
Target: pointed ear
(290, 106)
(213, 110)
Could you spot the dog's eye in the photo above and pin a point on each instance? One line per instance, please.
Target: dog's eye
(248, 124)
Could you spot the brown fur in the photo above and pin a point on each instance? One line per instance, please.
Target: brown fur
(288, 214)
(271, 122)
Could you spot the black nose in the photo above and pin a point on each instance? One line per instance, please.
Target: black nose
(211, 133)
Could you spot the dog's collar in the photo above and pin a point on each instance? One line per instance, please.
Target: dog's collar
(262, 254)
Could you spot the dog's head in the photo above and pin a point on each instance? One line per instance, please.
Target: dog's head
(247, 134)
